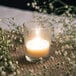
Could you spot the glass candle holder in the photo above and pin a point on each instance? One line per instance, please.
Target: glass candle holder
(37, 42)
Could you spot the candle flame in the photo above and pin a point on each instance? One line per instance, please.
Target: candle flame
(38, 43)
(37, 32)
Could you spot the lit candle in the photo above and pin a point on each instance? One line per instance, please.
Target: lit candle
(37, 47)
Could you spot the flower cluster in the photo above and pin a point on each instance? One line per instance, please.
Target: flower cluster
(49, 6)
(63, 43)
(8, 66)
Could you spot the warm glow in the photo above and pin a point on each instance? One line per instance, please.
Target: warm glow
(37, 32)
(37, 44)
(37, 47)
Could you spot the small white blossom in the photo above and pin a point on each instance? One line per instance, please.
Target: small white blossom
(44, 11)
(33, 4)
(67, 12)
(10, 74)
(52, 58)
(14, 73)
(65, 53)
(10, 62)
(13, 66)
(28, 4)
(3, 73)
(0, 19)
(67, 46)
(61, 41)
(18, 72)
(36, 7)
(16, 62)
(67, 38)
(51, 6)
(66, 6)
(59, 52)
(63, 48)
(22, 69)
(31, 71)
(1, 57)
(5, 59)
(44, 2)
(72, 55)
(8, 41)
(56, 52)
(68, 59)
(57, 36)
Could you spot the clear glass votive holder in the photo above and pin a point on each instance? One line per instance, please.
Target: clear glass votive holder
(37, 41)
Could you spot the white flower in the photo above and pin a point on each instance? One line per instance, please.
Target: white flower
(3, 73)
(0, 19)
(14, 73)
(22, 69)
(68, 59)
(18, 72)
(44, 2)
(52, 58)
(63, 48)
(10, 74)
(66, 6)
(65, 53)
(72, 55)
(56, 52)
(67, 46)
(16, 62)
(28, 4)
(61, 40)
(10, 62)
(1, 57)
(13, 67)
(44, 11)
(51, 6)
(31, 71)
(59, 52)
(33, 4)
(36, 7)
(5, 59)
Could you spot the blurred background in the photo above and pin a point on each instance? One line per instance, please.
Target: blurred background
(57, 6)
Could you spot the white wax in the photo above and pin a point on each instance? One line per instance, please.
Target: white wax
(37, 47)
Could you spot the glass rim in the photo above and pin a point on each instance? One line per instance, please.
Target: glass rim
(39, 27)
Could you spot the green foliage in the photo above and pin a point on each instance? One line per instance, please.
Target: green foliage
(8, 66)
(52, 6)
(65, 44)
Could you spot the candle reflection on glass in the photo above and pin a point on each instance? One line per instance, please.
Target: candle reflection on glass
(37, 47)
(37, 43)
